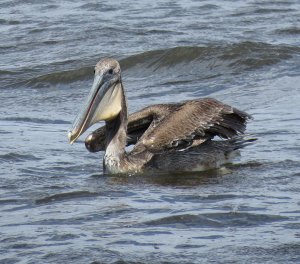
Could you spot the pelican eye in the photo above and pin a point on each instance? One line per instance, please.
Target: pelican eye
(110, 71)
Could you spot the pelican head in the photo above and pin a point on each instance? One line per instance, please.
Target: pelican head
(104, 100)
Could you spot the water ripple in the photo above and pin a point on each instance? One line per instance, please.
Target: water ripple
(248, 55)
(17, 157)
(65, 196)
(215, 220)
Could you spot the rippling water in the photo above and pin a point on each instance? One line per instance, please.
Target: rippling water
(56, 204)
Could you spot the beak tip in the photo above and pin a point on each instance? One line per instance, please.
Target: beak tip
(71, 140)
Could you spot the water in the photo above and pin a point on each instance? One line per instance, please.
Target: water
(56, 204)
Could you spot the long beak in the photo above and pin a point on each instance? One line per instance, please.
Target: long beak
(101, 104)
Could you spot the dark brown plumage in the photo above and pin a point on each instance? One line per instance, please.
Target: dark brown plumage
(177, 126)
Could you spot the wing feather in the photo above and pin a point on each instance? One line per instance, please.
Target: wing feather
(193, 120)
(162, 127)
(138, 123)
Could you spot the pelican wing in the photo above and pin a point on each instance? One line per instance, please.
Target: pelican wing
(138, 123)
(192, 123)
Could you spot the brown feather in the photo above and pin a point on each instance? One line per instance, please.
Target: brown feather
(178, 126)
(195, 119)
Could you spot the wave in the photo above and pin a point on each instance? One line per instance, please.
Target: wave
(230, 58)
(16, 157)
(241, 219)
(9, 22)
(62, 77)
(289, 31)
(35, 120)
(66, 196)
(249, 55)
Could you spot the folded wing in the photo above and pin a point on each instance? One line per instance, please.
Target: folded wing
(168, 127)
(192, 123)
(138, 123)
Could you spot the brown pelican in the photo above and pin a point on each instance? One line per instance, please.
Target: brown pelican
(167, 137)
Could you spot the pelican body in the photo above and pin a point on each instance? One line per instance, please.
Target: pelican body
(166, 137)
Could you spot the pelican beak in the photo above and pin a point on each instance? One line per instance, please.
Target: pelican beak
(102, 103)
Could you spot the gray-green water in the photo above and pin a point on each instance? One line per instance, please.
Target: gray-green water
(56, 206)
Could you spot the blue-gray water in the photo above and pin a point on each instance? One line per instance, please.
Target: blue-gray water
(56, 206)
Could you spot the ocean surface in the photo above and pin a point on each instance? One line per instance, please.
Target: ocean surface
(57, 206)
